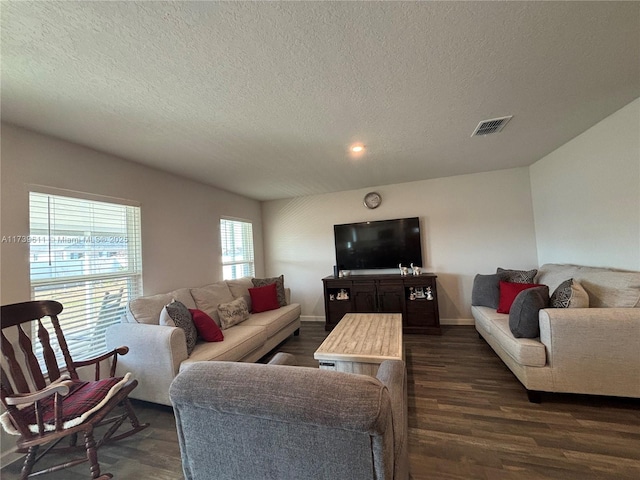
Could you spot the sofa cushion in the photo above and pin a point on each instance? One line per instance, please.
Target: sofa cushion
(526, 351)
(264, 298)
(274, 320)
(233, 312)
(609, 288)
(486, 291)
(207, 328)
(176, 314)
(552, 275)
(482, 316)
(240, 288)
(239, 341)
(569, 294)
(147, 309)
(516, 276)
(606, 287)
(508, 293)
(208, 298)
(279, 281)
(523, 315)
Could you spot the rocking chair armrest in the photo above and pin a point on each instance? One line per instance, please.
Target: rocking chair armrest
(92, 361)
(97, 361)
(25, 398)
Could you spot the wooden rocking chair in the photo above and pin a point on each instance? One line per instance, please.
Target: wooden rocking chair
(46, 408)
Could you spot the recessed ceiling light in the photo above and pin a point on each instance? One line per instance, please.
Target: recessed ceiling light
(357, 148)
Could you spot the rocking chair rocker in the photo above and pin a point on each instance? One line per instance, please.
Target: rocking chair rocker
(46, 408)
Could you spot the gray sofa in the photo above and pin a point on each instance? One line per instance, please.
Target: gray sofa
(157, 353)
(594, 350)
(263, 422)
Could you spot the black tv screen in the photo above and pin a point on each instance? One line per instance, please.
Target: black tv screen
(379, 244)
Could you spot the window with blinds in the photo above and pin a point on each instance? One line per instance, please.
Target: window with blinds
(236, 238)
(85, 254)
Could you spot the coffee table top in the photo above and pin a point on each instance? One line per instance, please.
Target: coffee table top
(364, 337)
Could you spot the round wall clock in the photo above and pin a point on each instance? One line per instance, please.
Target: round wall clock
(372, 200)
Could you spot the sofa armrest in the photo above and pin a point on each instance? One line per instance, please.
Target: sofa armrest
(592, 346)
(393, 374)
(154, 358)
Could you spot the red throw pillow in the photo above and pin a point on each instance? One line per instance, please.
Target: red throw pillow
(508, 293)
(206, 326)
(264, 298)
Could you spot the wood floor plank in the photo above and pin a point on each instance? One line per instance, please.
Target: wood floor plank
(469, 419)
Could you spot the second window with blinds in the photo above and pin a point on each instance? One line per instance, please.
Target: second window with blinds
(236, 240)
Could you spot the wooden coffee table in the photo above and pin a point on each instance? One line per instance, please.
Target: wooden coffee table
(360, 342)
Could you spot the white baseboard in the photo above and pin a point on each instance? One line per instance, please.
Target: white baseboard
(457, 321)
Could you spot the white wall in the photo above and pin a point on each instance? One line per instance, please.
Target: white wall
(180, 218)
(470, 224)
(586, 196)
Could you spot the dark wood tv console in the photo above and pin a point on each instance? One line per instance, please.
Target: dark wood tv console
(386, 293)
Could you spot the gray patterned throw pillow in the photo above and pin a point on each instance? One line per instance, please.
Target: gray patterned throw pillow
(279, 281)
(569, 294)
(516, 276)
(179, 313)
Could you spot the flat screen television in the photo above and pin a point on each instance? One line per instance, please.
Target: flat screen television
(379, 244)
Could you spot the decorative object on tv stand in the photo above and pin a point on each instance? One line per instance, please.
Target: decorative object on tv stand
(372, 200)
(416, 270)
(429, 294)
(412, 295)
(404, 271)
(342, 295)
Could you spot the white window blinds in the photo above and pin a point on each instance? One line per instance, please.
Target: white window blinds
(236, 238)
(85, 254)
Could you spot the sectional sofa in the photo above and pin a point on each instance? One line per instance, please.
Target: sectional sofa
(589, 350)
(157, 352)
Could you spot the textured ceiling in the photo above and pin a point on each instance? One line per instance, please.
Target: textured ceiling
(264, 98)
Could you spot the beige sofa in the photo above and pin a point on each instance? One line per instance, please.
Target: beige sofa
(593, 350)
(157, 353)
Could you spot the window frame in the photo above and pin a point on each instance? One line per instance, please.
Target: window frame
(96, 297)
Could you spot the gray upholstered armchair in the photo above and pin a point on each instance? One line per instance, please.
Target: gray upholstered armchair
(260, 422)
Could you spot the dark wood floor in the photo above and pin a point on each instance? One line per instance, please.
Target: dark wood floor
(469, 418)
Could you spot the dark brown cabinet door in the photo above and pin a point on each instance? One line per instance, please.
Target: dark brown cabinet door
(390, 297)
(364, 297)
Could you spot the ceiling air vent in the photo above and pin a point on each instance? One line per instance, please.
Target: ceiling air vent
(494, 125)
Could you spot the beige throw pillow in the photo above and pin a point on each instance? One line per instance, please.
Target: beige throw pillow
(233, 313)
(240, 288)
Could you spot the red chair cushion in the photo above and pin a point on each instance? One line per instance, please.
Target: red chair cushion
(82, 397)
